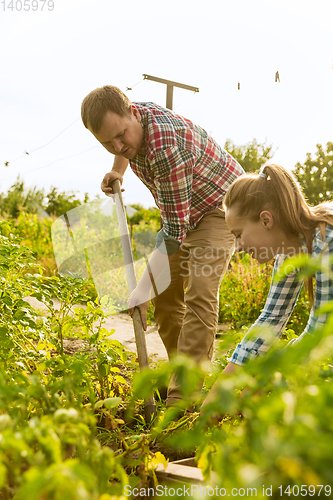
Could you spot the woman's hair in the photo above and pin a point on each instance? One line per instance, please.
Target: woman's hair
(275, 189)
(100, 101)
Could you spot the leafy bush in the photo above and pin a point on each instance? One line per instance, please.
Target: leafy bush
(33, 200)
(279, 433)
(315, 175)
(35, 233)
(251, 156)
(244, 290)
(149, 217)
(71, 426)
(51, 403)
(18, 198)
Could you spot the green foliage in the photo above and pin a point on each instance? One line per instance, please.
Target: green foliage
(280, 432)
(18, 199)
(244, 290)
(50, 402)
(144, 225)
(252, 156)
(275, 433)
(33, 200)
(35, 233)
(61, 426)
(55, 455)
(60, 203)
(147, 216)
(72, 426)
(315, 175)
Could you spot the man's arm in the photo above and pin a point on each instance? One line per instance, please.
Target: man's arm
(120, 165)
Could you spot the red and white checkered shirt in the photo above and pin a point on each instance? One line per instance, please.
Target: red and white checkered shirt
(187, 172)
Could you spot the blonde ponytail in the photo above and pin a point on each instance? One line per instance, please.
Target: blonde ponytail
(277, 190)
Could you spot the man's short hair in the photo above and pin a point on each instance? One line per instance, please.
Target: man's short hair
(96, 104)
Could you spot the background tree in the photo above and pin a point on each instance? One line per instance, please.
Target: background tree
(316, 175)
(146, 215)
(251, 156)
(19, 199)
(60, 203)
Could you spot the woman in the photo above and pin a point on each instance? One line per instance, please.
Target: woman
(269, 217)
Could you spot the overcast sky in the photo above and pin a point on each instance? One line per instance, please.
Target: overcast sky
(51, 59)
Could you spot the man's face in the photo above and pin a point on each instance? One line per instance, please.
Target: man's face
(121, 135)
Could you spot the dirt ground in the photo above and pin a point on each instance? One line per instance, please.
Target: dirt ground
(122, 330)
(122, 325)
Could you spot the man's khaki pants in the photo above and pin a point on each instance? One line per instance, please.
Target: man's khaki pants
(187, 311)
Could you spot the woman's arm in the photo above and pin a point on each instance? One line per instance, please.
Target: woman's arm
(279, 305)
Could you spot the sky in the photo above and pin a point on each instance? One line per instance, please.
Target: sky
(51, 58)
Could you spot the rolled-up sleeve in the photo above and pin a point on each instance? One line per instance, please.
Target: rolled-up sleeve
(172, 169)
(281, 300)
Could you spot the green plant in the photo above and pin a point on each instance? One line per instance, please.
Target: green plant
(315, 175)
(251, 156)
(72, 426)
(243, 290)
(19, 199)
(50, 402)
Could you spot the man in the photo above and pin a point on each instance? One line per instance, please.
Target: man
(188, 174)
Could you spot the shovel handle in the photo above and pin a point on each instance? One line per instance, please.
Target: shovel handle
(125, 236)
(116, 188)
(140, 338)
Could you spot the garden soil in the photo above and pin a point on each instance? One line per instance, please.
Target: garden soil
(121, 327)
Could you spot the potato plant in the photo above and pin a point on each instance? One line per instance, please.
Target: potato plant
(72, 426)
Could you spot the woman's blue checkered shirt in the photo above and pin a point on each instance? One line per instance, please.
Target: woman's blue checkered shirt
(281, 301)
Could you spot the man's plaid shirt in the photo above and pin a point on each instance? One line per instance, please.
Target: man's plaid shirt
(186, 171)
(282, 298)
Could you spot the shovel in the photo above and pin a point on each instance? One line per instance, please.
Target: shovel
(140, 339)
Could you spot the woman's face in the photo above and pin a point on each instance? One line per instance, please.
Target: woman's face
(263, 239)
